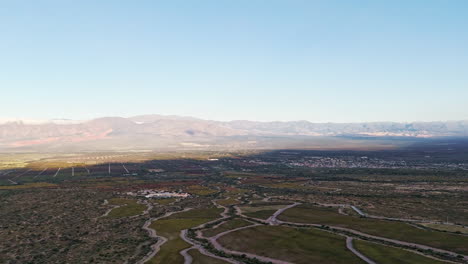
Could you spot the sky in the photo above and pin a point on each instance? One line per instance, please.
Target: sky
(322, 61)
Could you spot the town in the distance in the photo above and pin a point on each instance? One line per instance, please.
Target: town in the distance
(397, 205)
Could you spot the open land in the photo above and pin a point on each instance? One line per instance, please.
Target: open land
(392, 206)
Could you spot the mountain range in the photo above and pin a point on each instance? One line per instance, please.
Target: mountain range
(158, 132)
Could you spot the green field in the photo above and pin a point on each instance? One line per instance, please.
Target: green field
(227, 202)
(261, 210)
(302, 246)
(262, 214)
(389, 255)
(210, 213)
(228, 225)
(199, 258)
(449, 228)
(170, 228)
(200, 190)
(261, 207)
(129, 207)
(28, 185)
(390, 229)
(166, 201)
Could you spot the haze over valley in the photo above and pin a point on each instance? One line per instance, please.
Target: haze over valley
(156, 132)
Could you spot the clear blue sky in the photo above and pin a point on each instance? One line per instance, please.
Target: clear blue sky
(336, 61)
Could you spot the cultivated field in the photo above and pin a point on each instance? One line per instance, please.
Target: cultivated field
(291, 244)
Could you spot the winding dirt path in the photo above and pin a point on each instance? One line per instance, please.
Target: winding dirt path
(239, 213)
(361, 213)
(188, 259)
(149, 207)
(402, 243)
(183, 234)
(357, 210)
(215, 243)
(272, 219)
(110, 209)
(152, 233)
(349, 245)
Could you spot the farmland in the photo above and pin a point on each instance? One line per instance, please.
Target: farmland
(406, 232)
(199, 258)
(389, 255)
(170, 228)
(231, 224)
(127, 207)
(290, 244)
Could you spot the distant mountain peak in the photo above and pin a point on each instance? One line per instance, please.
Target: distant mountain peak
(159, 131)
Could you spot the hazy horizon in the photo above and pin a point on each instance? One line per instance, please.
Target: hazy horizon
(44, 120)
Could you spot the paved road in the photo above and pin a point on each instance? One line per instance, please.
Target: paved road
(349, 245)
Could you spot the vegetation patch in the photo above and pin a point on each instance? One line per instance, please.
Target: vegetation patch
(255, 208)
(287, 185)
(228, 225)
(129, 207)
(262, 214)
(302, 246)
(389, 255)
(170, 228)
(206, 213)
(200, 190)
(29, 185)
(390, 229)
(235, 191)
(199, 258)
(166, 201)
(227, 202)
(448, 228)
(169, 252)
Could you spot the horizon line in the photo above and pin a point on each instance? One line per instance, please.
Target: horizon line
(38, 121)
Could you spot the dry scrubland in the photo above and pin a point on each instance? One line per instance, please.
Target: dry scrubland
(57, 226)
